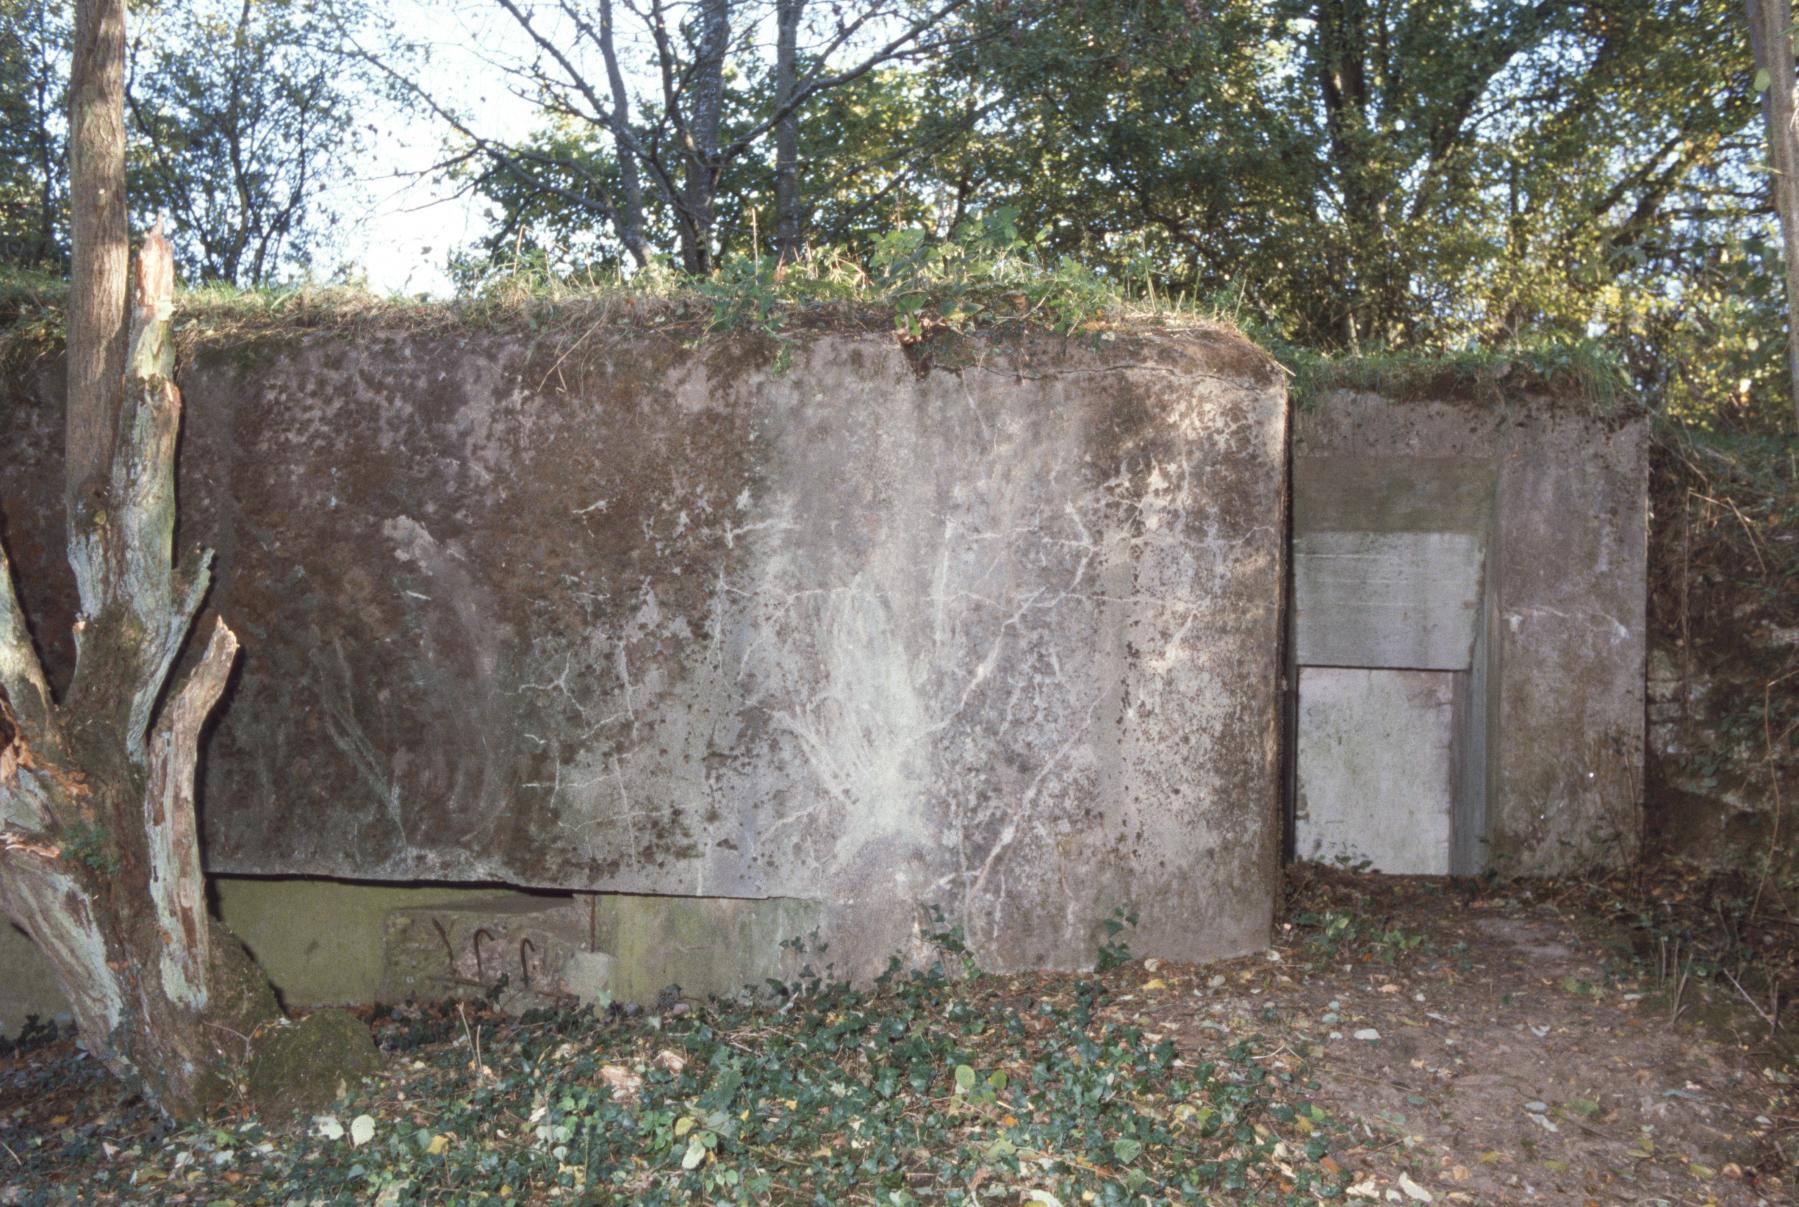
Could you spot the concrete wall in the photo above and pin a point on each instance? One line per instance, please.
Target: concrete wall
(1505, 544)
(326, 942)
(27, 987)
(613, 612)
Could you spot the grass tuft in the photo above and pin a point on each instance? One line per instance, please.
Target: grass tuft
(1580, 373)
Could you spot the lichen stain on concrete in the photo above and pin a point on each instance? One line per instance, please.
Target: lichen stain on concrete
(999, 638)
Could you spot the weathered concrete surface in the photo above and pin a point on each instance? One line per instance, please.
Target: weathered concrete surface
(608, 612)
(1377, 765)
(328, 943)
(1403, 600)
(513, 945)
(1556, 494)
(320, 941)
(27, 984)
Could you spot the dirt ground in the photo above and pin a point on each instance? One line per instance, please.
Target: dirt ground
(1495, 1047)
(1486, 1044)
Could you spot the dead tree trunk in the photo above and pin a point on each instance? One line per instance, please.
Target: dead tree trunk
(99, 844)
(99, 847)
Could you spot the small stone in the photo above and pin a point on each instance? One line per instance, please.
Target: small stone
(1368, 1033)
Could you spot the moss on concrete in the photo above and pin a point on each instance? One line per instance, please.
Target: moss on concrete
(321, 940)
(1579, 375)
(706, 945)
(28, 987)
(308, 1065)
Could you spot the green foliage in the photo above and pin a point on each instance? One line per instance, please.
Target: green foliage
(1115, 952)
(34, 39)
(1422, 176)
(1335, 935)
(242, 122)
(91, 847)
(1581, 372)
(985, 275)
(923, 1091)
(952, 947)
(988, 277)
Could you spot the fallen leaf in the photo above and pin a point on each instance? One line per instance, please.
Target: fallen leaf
(362, 1130)
(1414, 1191)
(622, 1081)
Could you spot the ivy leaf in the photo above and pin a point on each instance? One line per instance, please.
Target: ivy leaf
(964, 1079)
(1126, 1150)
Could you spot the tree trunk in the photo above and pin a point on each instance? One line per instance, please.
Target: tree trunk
(630, 212)
(99, 240)
(700, 182)
(1770, 26)
(787, 129)
(99, 843)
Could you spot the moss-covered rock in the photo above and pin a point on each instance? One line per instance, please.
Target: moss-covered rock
(305, 1066)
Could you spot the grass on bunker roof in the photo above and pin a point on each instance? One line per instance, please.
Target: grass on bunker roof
(987, 280)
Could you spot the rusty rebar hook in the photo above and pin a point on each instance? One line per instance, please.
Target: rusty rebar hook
(481, 932)
(525, 947)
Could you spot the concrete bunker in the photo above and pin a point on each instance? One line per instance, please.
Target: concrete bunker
(634, 663)
(1467, 633)
(989, 633)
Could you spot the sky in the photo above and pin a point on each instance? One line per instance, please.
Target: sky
(400, 226)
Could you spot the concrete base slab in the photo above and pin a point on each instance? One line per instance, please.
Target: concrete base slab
(514, 947)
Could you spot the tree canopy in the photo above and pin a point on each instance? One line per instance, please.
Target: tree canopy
(240, 117)
(1343, 174)
(1340, 174)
